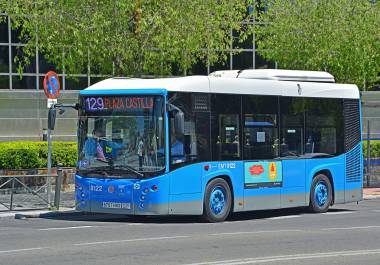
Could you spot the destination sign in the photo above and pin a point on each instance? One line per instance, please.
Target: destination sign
(117, 103)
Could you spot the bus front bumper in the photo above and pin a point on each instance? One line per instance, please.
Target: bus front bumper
(120, 196)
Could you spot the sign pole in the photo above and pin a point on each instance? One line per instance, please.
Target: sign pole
(51, 89)
(49, 167)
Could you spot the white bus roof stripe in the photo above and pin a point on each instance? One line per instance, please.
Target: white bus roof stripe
(228, 85)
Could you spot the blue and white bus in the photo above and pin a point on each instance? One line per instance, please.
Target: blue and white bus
(214, 145)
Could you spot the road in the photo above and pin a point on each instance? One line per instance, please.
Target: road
(347, 234)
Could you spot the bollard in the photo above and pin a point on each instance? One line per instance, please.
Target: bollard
(12, 190)
(368, 154)
(58, 182)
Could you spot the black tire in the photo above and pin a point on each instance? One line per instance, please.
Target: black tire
(216, 188)
(317, 205)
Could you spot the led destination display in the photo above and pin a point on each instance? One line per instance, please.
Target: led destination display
(117, 103)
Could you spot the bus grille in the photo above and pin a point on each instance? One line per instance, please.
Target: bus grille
(353, 165)
(351, 123)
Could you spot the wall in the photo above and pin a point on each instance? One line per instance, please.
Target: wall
(23, 115)
(371, 113)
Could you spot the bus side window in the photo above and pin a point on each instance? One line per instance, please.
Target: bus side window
(225, 124)
(260, 127)
(193, 144)
(324, 126)
(292, 126)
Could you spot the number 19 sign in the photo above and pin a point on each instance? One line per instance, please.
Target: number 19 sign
(51, 85)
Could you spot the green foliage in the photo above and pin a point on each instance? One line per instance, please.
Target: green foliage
(375, 148)
(126, 37)
(339, 36)
(25, 155)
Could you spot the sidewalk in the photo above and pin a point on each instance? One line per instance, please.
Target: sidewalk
(371, 193)
(368, 194)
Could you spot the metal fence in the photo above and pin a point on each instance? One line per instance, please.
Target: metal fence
(371, 134)
(25, 192)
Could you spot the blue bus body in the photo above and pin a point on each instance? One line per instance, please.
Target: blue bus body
(181, 191)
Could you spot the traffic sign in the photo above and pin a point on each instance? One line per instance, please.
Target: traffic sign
(51, 85)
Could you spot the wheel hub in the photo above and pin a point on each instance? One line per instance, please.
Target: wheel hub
(321, 194)
(217, 200)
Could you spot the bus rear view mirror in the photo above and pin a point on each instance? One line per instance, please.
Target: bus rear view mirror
(51, 118)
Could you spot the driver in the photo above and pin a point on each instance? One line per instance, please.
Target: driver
(93, 148)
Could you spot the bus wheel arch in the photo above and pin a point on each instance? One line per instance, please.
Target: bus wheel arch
(219, 184)
(321, 192)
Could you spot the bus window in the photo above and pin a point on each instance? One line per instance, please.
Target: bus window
(324, 126)
(193, 144)
(226, 127)
(260, 127)
(292, 126)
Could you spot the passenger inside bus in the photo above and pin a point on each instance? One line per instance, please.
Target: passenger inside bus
(176, 149)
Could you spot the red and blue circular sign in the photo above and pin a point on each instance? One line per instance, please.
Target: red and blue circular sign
(51, 85)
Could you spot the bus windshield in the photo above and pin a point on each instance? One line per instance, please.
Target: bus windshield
(121, 136)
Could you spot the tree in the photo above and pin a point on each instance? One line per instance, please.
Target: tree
(125, 37)
(339, 36)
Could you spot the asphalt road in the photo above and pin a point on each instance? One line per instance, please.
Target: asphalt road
(347, 234)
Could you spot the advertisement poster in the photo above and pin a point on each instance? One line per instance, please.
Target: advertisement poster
(262, 174)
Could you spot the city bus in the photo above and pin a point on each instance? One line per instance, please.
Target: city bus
(215, 145)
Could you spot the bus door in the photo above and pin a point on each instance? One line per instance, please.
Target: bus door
(291, 148)
(293, 185)
(262, 172)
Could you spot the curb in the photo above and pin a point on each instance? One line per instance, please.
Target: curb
(371, 197)
(37, 214)
(45, 214)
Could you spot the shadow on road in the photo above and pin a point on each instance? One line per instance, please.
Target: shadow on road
(253, 215)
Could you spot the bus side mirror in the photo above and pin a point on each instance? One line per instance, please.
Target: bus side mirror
(51, 118)
(179, 123)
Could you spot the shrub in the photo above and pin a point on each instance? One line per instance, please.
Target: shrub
(375, 148)
(25, 154)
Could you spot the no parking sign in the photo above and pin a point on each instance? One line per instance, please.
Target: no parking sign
(51, 85)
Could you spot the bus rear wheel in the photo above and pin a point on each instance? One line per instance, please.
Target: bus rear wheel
(320, 194)
(217, 201)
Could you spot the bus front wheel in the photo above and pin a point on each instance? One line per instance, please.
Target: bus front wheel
(320, 194)
(217, 202)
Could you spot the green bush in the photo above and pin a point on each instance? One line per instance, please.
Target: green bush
(375, 149)
(25, 155)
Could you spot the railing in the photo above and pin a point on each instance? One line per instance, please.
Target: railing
(30, 196)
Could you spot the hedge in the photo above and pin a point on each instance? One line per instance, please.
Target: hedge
(375, 149)
(26, 155)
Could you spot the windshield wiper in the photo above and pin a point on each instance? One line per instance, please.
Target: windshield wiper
(104, 169)
(99, 170)
(129, 168)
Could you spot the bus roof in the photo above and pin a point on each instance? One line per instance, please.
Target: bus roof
(231, 85)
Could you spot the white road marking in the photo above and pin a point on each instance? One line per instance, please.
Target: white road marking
(337, 213)
(130, 240)
(255, 232)
(351, 228)
(291, 257)
(66, 228)
(283, 217)
(21, 250)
